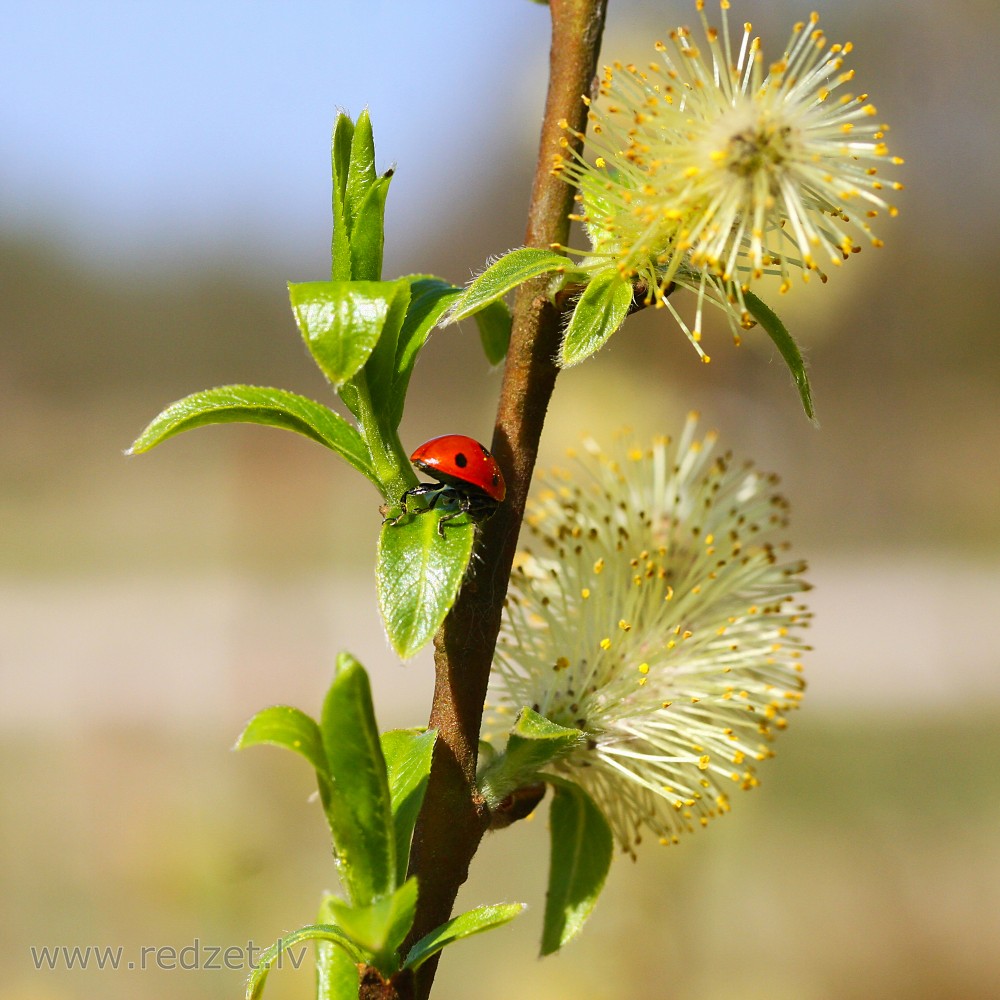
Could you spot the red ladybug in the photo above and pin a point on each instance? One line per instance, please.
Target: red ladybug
(469, 481)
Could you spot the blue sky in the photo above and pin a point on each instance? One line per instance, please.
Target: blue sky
(128, 121)
(127, 125)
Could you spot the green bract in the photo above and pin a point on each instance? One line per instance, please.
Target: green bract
(789, 350)
(494, 322)
(534, 742)
(581, 841)
(600, 311)
(407, 754)
(475, 921)
(507, 273)
(581, 848)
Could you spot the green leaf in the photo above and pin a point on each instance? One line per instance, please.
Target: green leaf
(538, 741)
(418, 575)
(361, 172)
(287, 727)
(429, 298)
(380, 927)
(482, 918)
(315, 932)
(368, 232)
(787, 347)
(599, 202)
(360, 809)
(408, 754)
(341, 321)
(494, 322)
(508, 272)
(337, 975)
(534, 742)
(340, 157)
(358, 202)
(380, 369)
(252, 404)
(581, 847)
(600, 311)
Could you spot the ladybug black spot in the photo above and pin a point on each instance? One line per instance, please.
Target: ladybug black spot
(461, 460)
(496, 479)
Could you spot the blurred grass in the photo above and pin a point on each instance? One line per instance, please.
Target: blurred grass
(866, 865)
(910, 418)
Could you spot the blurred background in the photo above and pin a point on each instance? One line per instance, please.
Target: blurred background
(163, 172)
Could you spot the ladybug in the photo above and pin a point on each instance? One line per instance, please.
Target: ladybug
(469, 481)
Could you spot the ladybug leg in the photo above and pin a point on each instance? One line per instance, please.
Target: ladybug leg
(416, 491)
(447, 517)
(464, 507)
(402, 510)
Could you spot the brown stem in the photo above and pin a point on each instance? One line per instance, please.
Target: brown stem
(454, 817)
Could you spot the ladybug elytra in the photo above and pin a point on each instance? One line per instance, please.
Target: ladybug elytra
(469, 481)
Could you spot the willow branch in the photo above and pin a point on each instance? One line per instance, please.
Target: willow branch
(454, 817)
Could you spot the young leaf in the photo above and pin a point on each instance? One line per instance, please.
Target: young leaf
(341, 321)
(508, 272)
(315, 932)
(537, 741)
(360, 810)
(408, 759)
(482, 918)
(287, 727)
(599, 201)
(429, 298)
(494, 322)
(380, 927)
(361, 171)
(368, 232)
(787, 347)
(600, 311)
(340, 161)
(581, 848)
(380, 369)
(252, 404)
(533, 743)
(418, 573)
(336, 975)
